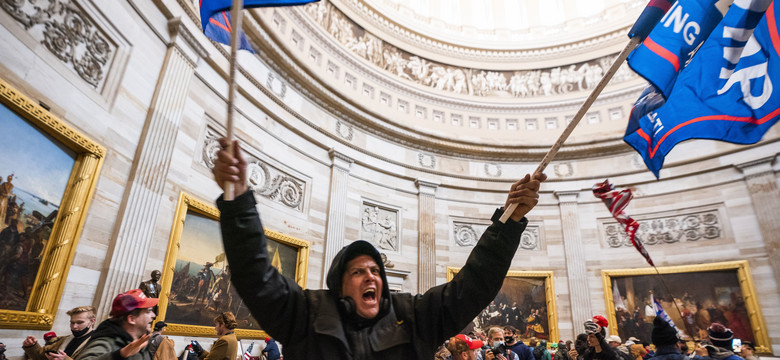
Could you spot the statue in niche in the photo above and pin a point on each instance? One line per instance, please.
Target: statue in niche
(152, 287)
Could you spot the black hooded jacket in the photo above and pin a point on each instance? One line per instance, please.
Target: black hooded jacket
(315, 324)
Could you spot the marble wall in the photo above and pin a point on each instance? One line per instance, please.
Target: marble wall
(161, 101)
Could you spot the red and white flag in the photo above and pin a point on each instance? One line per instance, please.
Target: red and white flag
(616, 202)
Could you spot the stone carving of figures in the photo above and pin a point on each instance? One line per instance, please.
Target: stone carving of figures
(390, 58)
(480, 84)
(593, 75)
(496, 81)
(445, 80)
(556, 79)
(419, 68)
(517, 85)
(400, 68)
(566, 77)
(322, 13)
(460, 81)
(533, 82)
(546, 83)
(436, 73)
(374, 50)
(578, 76)
(358, 46)
(382, 232)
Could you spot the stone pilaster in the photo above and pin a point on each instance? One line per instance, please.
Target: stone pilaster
(337, 208)
(765, 197)
(138, 213)
(575, 260)
(426, 237)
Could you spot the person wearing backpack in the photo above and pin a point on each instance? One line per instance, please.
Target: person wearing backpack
(540, 351)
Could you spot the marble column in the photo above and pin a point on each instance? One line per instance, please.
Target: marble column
(765, 196)
(126, 263)
(337, 208)
(576, 271)
(426, 235)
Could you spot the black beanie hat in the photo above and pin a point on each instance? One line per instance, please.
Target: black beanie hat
(663, 333)
(720, 335)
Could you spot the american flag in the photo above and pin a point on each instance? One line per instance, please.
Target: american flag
(616, 202)
(248, 352)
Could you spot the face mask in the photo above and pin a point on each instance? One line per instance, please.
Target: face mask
(508, 338)
(81, 332)
(497, 343)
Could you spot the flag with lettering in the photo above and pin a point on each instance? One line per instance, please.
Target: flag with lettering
(675, 39)
(616, 202)
(216, 22)
(726, 92)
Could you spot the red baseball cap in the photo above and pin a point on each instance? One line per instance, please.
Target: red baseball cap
(129, 301)
(473, 344)
(49, 335)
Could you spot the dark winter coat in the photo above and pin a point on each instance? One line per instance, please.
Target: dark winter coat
(106, 342)
(311, 324)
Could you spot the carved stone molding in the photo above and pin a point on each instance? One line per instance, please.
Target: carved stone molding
(379, 226)
(466, 234)
(69, 33)
(582, 76)
(276, 85)
(563, 169)
(344, 130)
(493, 170)
(426, 160)
(264, 179)
(668, 229)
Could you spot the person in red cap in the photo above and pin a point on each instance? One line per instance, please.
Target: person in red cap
(82, 323)
(271, 350)
(462, 347)
(125, 334)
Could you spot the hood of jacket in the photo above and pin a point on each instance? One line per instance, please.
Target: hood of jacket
(339, 264)
(109, 329)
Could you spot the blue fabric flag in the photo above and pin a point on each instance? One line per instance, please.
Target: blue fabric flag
(649, 17)
(672, 43)
(659, 311)
(216, 21)
(210, 7)
(725, 93)
(219, 28)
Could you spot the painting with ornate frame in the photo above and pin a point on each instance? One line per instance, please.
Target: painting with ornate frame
(43, 207)
(195, 279)
(700, 294)
(526, 301)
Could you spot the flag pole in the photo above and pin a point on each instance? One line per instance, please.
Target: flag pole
(633, 43)
(235, 16)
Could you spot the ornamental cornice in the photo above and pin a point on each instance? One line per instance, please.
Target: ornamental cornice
(309, 86)
(444, 98)
(459, 52)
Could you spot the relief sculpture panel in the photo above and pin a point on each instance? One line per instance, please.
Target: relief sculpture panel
(581, 76)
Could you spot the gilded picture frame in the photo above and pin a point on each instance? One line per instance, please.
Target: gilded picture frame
(724, 289)
(532, 285)
(192, 296)
(51, 222)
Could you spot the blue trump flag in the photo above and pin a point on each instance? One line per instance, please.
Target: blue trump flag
(672, 43)
(216, 22)
(725, 93)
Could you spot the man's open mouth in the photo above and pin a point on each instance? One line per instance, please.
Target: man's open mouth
(369, 295)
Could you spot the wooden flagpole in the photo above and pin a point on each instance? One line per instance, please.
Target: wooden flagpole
(235, 32)
(633, 43)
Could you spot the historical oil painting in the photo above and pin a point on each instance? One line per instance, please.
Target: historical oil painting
(34, 173)
(526, 302)
(199, 286)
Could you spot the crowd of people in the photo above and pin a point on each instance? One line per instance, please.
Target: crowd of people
(130, 333)
(502, 343)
